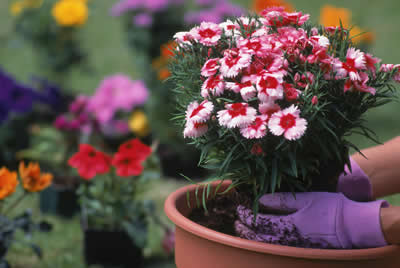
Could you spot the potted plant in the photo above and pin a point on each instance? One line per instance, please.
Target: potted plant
(115, 214)
(33, 180)
(270, 101)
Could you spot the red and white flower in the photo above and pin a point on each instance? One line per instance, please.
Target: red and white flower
(236, 115)
(288, 123)
(194, 130)
(199, 113)
(268, 108)
(210, 67)
(246, 89)
(291, 94)
(371, 62)
(183, 38)
(355, 61)
(208, 33)
(359, 85)
(252, 46)
(230, 28)
(233, 61)
(389, 67)
(269, 87)
(257, 129)
(214, 85)
(320, 41)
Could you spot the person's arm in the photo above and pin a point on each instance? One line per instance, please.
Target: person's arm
(390, 222)
(382, 166)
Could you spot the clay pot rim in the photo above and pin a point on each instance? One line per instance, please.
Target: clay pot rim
(325, 254)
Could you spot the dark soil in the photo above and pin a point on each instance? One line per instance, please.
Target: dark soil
(221, 215)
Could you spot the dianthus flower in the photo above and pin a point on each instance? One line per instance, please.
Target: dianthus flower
(214, 85)
(288, 123)
(257, 129)
(207, 33)
(236, 115)
(199, 113)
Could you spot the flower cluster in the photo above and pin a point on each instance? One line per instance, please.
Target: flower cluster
(18, 98)
(115, 93)
(128, 160)
(32, 179)
(267, 95)
(70, 13)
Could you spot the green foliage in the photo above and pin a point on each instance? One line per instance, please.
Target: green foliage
(58, 48)
(311, 163)
(115, 203)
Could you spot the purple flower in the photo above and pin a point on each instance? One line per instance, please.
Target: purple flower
(227, 9)
(78, 104)
(117, 92)
(124, 6)
(156, 5)
(204, 2)
(143, 20)
(205, 15)
(48, 93)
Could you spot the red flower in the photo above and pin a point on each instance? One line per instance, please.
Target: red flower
(90, 162)
(129, 158)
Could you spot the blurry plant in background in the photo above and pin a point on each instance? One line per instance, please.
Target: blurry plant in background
(19, 107)
(101, 119)
(32, 180)
(112, 200)
(332, 16)
(52, 28)
(260, 5)
(149, 27)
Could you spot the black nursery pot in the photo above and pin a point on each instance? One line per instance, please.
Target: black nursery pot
(59, 200)
(111, 248)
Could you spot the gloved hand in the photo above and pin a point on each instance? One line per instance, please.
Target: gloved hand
(313, 220)
(355, 185)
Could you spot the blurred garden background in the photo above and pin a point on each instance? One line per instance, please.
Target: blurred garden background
(104, 40)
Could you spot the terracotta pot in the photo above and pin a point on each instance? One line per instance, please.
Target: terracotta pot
(198, 247)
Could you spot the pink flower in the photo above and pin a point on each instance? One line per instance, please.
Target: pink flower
(233, 61)
(230, 28)
(210, 67)
(314, 100)
(276, 16)
(199, 113)
(389, 67)
(117, 92)
(355, 60)
(269, 87)
(252, 46)
(246, 89)
(257, 129)
(320, 40)
(236, 115)
(183, 38)
(359, 85)
(268, 108)
(207, 33)
(213, 84)
(371, 62)
(194, 130)
(288, 123)
(291, 94)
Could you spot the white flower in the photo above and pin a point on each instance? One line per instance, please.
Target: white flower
(194, 130)
(288, 123)
(199, 113)
(236, 115)
(233, 61)
(269, 86)
(257, 129)
(213, 84)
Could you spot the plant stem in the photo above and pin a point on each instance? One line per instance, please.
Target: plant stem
(15, 203)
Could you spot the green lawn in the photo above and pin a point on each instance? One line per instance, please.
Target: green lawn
(104, 39)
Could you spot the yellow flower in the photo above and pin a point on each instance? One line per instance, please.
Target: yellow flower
(32, 179)
(8, 182)
(260, 5)
(332, 16)
(70, 12)
(139, 124)
(17, 7)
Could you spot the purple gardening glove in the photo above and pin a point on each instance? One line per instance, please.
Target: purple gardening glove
(355, 185)
(314, 220)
